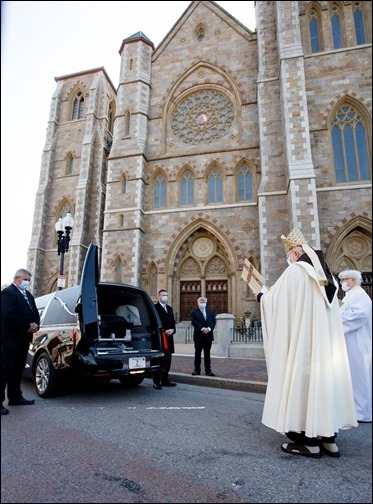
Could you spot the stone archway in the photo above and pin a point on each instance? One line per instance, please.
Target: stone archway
(203, 271)
(351, 247)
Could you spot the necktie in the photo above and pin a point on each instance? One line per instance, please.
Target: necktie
(204, 313)
(27, 300)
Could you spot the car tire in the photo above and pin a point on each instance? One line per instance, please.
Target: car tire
(45, 377)
(131, 381)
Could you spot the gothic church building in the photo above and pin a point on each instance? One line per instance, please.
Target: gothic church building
(214, 144)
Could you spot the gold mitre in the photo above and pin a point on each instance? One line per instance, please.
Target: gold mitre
(293, 239)
(296, 238)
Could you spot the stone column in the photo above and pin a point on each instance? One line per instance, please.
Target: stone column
(223, 331)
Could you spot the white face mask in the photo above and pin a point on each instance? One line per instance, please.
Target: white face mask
(288, 261)
(345, 287)
(202, 306)
(24, 284)
(164, 299)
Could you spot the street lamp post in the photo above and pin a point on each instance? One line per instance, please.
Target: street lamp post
(63, 227)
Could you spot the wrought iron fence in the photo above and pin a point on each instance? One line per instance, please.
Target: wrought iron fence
(241, 333)
(247, 334)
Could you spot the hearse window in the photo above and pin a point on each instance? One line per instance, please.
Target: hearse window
(61, 309)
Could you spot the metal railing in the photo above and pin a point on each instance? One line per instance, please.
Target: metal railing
(239, 334)
(189, 334)
(251, 334)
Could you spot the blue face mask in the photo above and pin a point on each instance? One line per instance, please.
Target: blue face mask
(24, 284)
(164, 299)
(202, 306)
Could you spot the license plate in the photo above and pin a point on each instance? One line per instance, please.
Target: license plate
(136, 362)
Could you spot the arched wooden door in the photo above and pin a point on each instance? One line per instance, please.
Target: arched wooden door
(203, 271)
(217, 295)
(189, 293)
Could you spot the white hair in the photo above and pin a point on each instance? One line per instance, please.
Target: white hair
(354, 274)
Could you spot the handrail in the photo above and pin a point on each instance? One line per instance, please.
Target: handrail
(189, 334)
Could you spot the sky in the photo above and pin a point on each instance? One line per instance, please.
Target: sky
(44, 40)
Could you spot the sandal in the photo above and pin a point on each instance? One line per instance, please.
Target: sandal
(299, 449)
(334, 454)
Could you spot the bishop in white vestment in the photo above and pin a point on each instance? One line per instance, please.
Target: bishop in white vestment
(309, 392)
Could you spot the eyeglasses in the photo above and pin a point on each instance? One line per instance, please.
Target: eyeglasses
(344, 279)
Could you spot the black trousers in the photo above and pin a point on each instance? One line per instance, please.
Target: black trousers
(13, 360)
(162, 378)
(204, 346)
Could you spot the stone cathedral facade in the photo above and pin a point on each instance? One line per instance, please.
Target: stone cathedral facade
(214, 144)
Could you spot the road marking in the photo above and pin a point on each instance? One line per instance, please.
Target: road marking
(177, 407)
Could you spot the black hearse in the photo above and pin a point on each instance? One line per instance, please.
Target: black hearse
(97, 330)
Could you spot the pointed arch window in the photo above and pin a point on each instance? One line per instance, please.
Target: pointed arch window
(123, 184)
(245, 184)
(78, 106)
(118, 270)
(314, 22)
(153, 280)
(187, 188)
(200, 32)
(111, 114)
(359, 23)
(69, 164)
(159, 192)
(127, 121)
(336, 27)
(215, 186)
(350, 146)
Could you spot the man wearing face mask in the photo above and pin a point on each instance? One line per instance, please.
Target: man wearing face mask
(166, 314)
(356, 313)
(203, 321)
(19, 321)
(309, 394)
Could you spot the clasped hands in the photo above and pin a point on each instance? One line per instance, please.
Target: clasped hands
(33, 327)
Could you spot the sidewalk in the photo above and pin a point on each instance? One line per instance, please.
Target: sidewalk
(247, 374)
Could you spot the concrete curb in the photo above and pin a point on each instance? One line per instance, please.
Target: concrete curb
(217, 382)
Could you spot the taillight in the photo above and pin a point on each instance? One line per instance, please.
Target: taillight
(75, 336)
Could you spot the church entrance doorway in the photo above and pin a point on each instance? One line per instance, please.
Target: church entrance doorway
(203, 270)
(189, 293)
(217, 295)
(216, 292)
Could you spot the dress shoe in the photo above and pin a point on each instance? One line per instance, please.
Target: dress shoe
(4, 410)
(157, 387)
(210, 374)
(196, 373)
(169, 384)
(21, 402)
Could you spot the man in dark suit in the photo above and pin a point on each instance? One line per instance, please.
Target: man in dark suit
(19, 320)
(203, 321)
(166, 314)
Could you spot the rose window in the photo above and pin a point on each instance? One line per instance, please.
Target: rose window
(202, 117)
